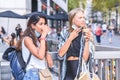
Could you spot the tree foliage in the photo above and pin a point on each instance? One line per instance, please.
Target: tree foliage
(73, 4)
(105, 5)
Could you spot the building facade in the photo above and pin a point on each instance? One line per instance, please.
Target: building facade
(27, 6)
(23, 7)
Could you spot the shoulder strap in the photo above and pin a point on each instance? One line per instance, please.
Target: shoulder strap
(80, 56)
(28, 58)
(27, 61)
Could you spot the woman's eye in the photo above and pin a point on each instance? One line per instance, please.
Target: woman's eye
(81, 17)
(42, 23)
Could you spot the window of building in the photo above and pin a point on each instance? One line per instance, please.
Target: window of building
(34, 5)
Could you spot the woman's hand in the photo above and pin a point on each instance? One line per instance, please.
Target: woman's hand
(45, 30)
(74, 34)
(87, 34)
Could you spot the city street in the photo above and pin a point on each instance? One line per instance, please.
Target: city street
(105, 41)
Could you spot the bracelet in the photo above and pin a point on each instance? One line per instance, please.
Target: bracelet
(42, 38)
(86, 40)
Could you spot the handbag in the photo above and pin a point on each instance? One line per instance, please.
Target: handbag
(82, 71)
(84, 74)
(95, 77)
(45, 74)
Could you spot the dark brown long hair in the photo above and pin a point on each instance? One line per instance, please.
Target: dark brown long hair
(30, 31)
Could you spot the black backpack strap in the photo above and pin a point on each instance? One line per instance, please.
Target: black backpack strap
(28, 58)
(28, 61)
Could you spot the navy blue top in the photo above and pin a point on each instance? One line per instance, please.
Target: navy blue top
(74, 48)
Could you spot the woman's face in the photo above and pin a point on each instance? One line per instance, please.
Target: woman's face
(40, 24)
(79, 19)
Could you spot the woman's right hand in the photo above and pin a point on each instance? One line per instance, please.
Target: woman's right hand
(45, 30)
(74, 34)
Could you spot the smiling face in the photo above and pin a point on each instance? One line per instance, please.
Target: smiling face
(79, 19)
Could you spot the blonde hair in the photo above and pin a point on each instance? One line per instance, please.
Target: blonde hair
(72, 14)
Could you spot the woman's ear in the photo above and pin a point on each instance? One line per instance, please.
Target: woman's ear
(33, 26)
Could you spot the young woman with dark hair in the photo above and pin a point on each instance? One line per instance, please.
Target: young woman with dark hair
(33, 42)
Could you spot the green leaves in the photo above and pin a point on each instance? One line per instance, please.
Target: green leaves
(98, 5)
(104, 5)
(73, 4)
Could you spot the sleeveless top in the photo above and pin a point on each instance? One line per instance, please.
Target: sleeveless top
(34, 61)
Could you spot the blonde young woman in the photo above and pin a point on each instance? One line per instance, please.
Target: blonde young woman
(34, 42)
(69, 48)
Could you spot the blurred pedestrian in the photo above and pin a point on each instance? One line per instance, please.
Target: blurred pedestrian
(11, 40)
(2, 33)
(104, 28)
(110, 33)
(18, 29)
(98, 33)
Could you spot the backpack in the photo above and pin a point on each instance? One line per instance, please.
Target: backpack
(17, 64)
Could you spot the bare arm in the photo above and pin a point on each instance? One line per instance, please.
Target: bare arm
(38, 52)
(66, 45)
(86, 51)
(49, 60)
(88, 36)
(6, 40)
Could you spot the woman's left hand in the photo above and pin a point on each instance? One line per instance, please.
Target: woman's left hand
(87, 34)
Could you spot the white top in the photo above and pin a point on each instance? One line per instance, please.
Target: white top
(104, 27)
(34, 61)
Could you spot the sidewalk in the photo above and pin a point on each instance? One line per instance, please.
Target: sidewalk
(105, 41)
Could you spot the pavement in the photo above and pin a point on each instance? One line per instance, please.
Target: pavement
(105, 41)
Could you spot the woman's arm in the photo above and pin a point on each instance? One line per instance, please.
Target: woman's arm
(88, 36)
(64, 48)
(6, 40)
(86, 51)
(49, 60)
(39, 52)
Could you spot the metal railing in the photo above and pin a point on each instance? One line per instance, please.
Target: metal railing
(107, 62)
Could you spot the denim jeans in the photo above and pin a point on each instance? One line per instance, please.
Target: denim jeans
(32, 74)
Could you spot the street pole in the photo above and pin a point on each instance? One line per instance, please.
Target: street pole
(48, 10)
(109, 15)
(116, 18)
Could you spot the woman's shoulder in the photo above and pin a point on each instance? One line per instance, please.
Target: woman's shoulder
(64, 32)
(27, 39)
